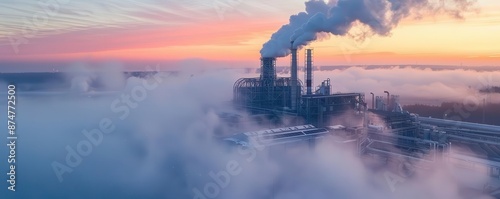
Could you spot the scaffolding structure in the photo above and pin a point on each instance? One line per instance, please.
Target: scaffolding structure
(253, 92)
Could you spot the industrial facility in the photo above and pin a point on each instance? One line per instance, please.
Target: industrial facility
(287, 95)
(382, 130)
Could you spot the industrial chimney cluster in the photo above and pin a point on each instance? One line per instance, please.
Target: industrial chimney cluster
(270, 93)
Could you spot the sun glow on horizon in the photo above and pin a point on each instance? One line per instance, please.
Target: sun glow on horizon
(430, 40)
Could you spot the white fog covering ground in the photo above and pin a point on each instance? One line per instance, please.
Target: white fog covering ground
(415, 85)
(164, 147)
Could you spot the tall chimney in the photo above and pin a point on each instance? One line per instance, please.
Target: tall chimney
(309, 68)
(268, 68)
(388, 101)
(293, 78)
(373, 100)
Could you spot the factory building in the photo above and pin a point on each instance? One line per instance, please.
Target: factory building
(404, 142)
(288, 95)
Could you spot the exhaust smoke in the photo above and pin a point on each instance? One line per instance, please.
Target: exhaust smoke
(321, 19)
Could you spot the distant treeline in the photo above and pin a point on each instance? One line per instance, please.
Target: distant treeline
(493, 89)
(420, 67)
(459, 111)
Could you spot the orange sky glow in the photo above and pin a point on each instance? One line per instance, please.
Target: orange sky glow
(438, 40)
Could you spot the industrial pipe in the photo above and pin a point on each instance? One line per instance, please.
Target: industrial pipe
(492, 129)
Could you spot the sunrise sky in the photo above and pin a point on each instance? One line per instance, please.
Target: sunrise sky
(229, 30)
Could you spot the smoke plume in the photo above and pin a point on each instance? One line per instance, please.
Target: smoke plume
(321, 19)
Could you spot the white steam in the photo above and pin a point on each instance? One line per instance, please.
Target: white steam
(415, 85)
(337, 17)
(104, 77)
(164, 148)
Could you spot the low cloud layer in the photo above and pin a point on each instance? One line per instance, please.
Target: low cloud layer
(414, 85)
(161, 145)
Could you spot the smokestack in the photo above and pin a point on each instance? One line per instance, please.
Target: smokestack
(388, 99)
(293, 78)
(268, 68)
(309, 68)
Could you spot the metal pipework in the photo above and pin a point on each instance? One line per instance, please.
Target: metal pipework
(309, 69)
(293, 77)
(373, 100)
(491, 129)
(387, 105)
